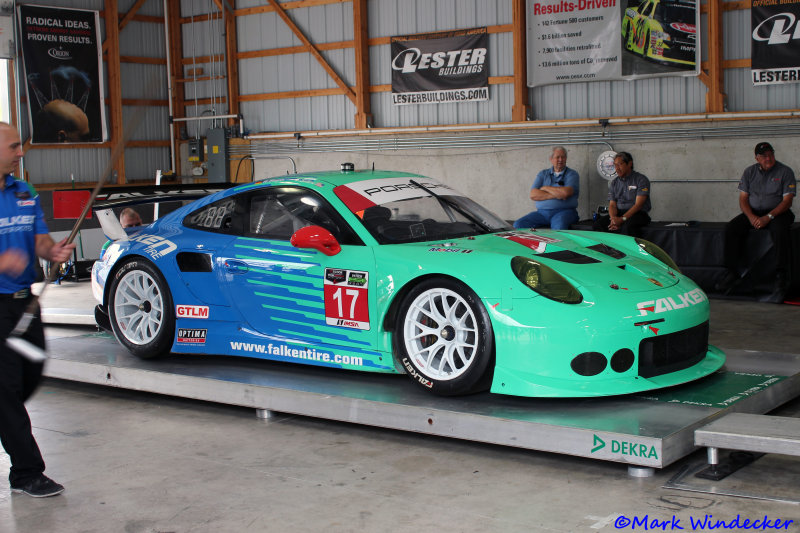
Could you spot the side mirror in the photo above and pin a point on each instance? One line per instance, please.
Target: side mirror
(317, 238)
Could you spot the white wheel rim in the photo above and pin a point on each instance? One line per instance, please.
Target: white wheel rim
(440, 334)
(138, 307)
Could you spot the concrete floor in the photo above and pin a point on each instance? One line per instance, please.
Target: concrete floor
(136, 462)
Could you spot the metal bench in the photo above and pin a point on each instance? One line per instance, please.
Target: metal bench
(748, 432)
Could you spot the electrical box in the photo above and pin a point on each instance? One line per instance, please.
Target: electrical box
(196, 150)
(217, 166)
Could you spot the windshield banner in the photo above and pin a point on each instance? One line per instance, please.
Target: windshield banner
(775, 45)
(62, 57)
(601, 40)
(441, 67)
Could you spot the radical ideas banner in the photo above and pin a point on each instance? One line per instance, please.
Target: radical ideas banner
(600, 40)
(441, 67)
(775, 48)
(62, 57)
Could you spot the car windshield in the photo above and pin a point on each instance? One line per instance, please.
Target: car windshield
(429, 218)
(671, 13)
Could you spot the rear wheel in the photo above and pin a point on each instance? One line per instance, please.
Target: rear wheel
(444, 338)
(140, 309)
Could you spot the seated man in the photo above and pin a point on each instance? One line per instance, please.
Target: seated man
(128, 218)
(766, 192)
(628, 200)
(555, 192)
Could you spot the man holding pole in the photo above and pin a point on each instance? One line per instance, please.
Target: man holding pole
(23, 236)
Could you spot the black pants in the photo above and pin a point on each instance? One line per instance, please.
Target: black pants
(19, 378)
(736, 234)
(633, 226)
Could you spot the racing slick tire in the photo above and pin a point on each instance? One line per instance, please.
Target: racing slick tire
(140, 309)
(444, 338)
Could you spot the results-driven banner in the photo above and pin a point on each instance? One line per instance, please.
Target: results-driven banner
(62, 57)
(441, 67)
(775, 48)
(599, 40)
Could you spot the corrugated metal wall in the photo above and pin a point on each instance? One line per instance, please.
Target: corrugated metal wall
(334, 22)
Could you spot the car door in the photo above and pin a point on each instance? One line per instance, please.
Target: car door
(300, 296)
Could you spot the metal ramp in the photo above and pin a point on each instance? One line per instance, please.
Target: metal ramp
(644, 431)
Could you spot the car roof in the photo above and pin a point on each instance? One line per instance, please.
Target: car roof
(336, 177)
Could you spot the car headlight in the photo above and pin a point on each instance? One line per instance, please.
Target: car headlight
(545, 281)
(658, 253)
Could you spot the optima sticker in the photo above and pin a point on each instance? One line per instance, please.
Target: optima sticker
(192, 336)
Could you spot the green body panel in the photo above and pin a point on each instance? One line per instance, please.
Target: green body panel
(536, 338)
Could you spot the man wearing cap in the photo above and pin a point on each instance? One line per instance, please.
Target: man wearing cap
(555, 192)
(766, 191)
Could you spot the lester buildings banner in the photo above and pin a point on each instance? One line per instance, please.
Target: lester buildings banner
(775, 48)
(62, 57)
(441, 67)
(597, 40)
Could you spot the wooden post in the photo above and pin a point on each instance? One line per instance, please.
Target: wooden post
(363, 118)
(114, 86)
(521, 108)
(715, 97)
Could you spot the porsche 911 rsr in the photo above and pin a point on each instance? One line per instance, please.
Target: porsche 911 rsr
(398, 273)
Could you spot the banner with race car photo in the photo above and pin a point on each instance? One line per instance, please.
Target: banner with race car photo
(601, 40)
(775, 44)
(441, 67)
(62, 56)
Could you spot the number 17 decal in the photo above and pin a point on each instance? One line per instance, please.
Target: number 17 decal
(346, 298)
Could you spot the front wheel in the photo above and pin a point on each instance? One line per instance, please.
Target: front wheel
(140, 309)
(444, 338)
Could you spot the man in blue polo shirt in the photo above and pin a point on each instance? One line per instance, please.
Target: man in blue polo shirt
(23, 236)
(555, 192)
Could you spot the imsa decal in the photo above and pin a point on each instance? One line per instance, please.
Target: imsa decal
(346, 298)
(192, 336)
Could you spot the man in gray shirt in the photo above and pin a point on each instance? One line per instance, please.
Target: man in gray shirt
(766, 191)
(628, 200)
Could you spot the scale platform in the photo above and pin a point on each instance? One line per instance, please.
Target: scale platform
(649, 430)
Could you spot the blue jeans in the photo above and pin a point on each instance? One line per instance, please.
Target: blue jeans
(554, 218)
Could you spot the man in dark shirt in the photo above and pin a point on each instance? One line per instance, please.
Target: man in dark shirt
(23, 236)
(628, 200)
(766, 191)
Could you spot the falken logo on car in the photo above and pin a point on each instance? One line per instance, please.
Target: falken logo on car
(416, 375)
(779, 29)
(191, 311)
(192, 336)
(159, 246)
(662, 305)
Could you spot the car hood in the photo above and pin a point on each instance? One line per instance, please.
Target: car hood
(581, 257)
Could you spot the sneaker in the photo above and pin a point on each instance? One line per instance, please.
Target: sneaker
(39, 487)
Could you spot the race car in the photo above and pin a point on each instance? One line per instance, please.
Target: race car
(393, 272)
(664, 31)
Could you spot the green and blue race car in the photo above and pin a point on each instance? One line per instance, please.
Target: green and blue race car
(398, 273)
(664, 31)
